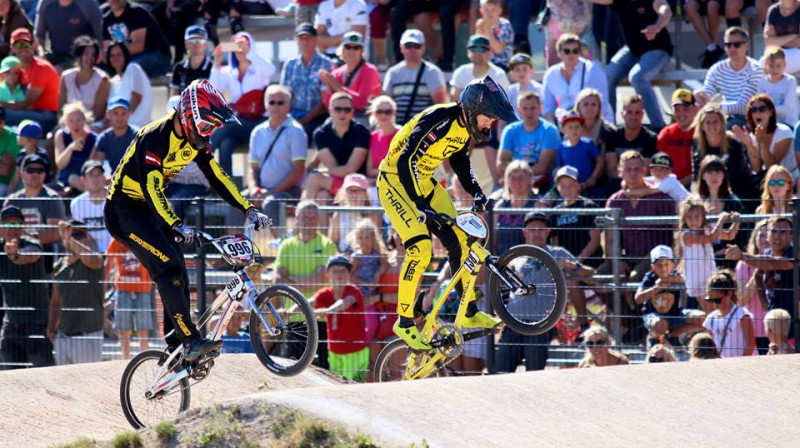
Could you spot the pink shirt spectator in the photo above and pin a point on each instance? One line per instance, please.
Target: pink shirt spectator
(379, 145)
(743, 274)
(364, 86)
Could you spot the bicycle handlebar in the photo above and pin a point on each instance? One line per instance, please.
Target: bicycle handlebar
(206, 238)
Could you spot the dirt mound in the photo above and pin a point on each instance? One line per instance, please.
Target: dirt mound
(41, 407)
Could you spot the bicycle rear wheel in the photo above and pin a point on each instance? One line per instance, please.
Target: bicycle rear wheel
(539, 311)
(139, 374)
(291, 350)
(392, 363)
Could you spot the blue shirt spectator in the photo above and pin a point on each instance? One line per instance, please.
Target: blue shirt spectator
(582, 156)
(533, 140)
(113, 142)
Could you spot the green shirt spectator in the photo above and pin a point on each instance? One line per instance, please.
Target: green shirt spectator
(11, 90)
(8, 154)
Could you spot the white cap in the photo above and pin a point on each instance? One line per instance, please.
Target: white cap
(567, 170)
(661, 251)
(412, 35)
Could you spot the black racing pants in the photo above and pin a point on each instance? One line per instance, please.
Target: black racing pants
(135, 225)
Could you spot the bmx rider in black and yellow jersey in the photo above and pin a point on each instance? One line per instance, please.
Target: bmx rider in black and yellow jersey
(138, 214)
(412, 198)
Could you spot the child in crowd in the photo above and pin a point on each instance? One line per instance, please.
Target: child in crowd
(28, 134)
(522, 71)
(343, 307)
(498, 30)
(659, 296)
(578, 151)
(369, 264)
(661, 180)
(132, 308)
(780, 86)
(12, 87)
(354, 193)
(694, 244)
(748, 290)
(777, 323)
(776, 196)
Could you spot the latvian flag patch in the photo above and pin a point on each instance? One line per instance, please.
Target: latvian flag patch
(432, 137)
(152, 159)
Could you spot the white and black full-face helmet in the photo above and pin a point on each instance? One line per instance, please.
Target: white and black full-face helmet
(484, 97)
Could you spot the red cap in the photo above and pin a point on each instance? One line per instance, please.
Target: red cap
(21, 34)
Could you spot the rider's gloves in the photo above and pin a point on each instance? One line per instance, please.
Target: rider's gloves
(481, 202)
(427, 214)
(185, 233)
(258, 219)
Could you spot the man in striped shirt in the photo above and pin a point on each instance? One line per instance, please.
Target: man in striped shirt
(735, 78)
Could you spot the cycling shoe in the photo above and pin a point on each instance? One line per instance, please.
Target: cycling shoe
(410, 335)
(481, 320)
(200, 347)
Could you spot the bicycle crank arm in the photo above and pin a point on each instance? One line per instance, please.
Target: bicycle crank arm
(481, 333)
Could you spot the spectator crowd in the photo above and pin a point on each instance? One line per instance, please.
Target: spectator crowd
(709, 283)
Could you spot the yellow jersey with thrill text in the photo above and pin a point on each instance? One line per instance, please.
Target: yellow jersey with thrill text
(153, 158)
(435, 134)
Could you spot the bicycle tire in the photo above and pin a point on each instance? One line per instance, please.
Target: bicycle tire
(496, 288)
(299, 342)
(139, 418)
(386, 355)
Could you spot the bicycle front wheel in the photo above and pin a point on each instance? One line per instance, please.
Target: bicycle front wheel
(292, 349)
(537, 271)
(392, 363)
(141, 411)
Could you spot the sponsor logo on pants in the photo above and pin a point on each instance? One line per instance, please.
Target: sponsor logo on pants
(148, 247)
(397, 204)
(182, 324)
(412, 266)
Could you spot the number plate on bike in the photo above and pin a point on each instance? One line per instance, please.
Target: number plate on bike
(237, 249)
(234, 287)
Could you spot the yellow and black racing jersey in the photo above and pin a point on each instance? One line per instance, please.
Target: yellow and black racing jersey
(435, 134)
(154, 157)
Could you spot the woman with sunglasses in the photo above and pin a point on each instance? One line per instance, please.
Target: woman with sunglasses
(598, 349)
(729, 324)
(711, 138)
(382, 116)
(777, 195)
(357, 77)
(85, 82)
(563, 82)
(129, 81)
(768, 143)
(660, 353)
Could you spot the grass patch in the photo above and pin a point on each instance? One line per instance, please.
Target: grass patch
(222, 429)
(83, 442)
(165, 430)
(130, 439)
(295, 429)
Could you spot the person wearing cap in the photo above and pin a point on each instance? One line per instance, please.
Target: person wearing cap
(676, 139)
(41, 97)
(479, 52)
(13, 80)
(88, 206)
(130, 81)
(401, 80)
(15, 15)
(25, 300)
(335, 18)
(661, 180)
(659, 296)
(342, 305)
(133, 24)
(196, 65)
(86, 82)
(404, 10)
(83, 18)
(522, 71)
(114, 141)
(533, 140)
(28, 135)
(498, 30)
(564, 81)
(75, 323)
(513, 346)
(245, 78)
(8, 155)
(579, 152)
(357, 77)
(301, 76)
(41, 206)
(646, 52)
(630, 136)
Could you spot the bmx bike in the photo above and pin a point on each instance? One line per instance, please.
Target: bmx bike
(283, 333)
(526, 288)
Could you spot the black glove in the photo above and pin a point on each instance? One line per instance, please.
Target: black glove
(481, 203)
(258, 219)
(427, 214)
(185, 234)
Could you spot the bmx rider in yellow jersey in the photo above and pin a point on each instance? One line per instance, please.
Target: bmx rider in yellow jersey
(407, 190)
(138, 214)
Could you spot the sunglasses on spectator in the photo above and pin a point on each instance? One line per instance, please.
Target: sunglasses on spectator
(595, 343)
(196, 41)
(35, 170)
(478, 49)
(737, 44)
(352, 47)
(779, 182)
(714, 300)
(653, 359)
(571, 50)
(384, 112)
(22, 45)
(345, 110)
(412, 46)
(78, 235)
(759, 108)
(277, 103)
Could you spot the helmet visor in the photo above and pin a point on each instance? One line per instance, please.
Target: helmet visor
(205, 128)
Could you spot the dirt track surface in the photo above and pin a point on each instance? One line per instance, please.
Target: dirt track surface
(41, 407)
(736, 402)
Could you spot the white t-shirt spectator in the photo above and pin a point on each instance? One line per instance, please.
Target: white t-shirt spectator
(736, 87)
(515, 89)
(732, 345)
(561, 95)
(291, 146)
(463, 76)
(341, 20)
(784, 95)
(90, 213)
(134, 80)
(789, 160)
(671, 186)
